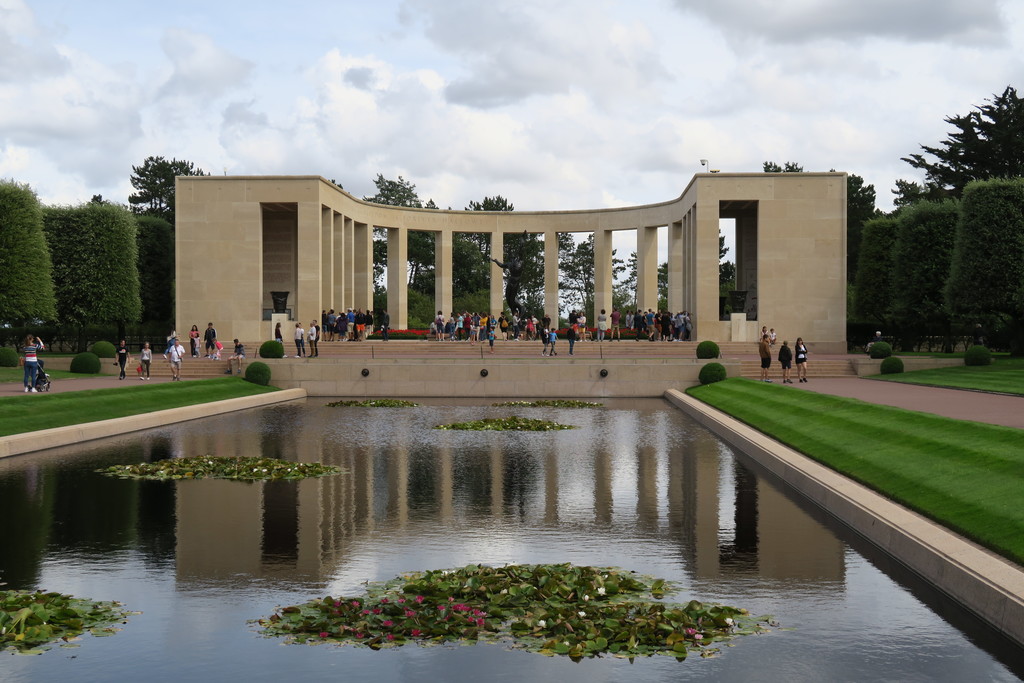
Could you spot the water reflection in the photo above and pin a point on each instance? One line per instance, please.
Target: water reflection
(638, 486)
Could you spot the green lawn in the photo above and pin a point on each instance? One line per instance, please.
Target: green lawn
(966, 475)
(1005, 375)
(28, 413)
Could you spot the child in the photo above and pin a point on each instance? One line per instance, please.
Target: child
(554, 337)
(490, 338)
(217, 348)
(786, 360)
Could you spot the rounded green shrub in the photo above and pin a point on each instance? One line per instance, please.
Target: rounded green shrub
(103, 349)
(258, 373)
(712, 372)
(708, 349)
(892, 366)
(880, 350)
(8, 357)
(978, 355)
(86, 363)
(272, 349)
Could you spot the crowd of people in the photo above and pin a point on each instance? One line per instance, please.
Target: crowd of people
(785, 354)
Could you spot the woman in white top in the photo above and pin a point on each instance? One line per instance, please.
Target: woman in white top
(300, 341)
(146, 357)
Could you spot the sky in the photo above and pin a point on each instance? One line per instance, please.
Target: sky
(576, 104)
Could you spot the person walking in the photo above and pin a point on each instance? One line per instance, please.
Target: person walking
(764, 349)
(786, 361)
(801, 360)
(146, 358)
(175, 355)
(123, 356)
(210, 339)
(30, 348)
(385, 325)
(571, 334)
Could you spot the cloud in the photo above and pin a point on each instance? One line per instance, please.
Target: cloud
(201, 69)
(976, 22)
(24, 52)
(511, 51)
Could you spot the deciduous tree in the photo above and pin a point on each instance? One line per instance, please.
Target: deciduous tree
(26, 284)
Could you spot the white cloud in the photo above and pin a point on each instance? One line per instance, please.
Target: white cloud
(201, 70)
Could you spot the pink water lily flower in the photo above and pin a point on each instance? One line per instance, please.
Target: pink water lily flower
(388, 622)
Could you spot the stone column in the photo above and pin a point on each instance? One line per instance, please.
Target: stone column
(398, 277)
(551, 275)
(675, 267)
(349, 277)
(497, 274)
(308, 264)
(647, 268)
(443, 271)
(602, 275)
(338, 296)
(327, 263)
(362, 290)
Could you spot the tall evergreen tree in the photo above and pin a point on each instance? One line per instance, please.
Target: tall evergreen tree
(26, 274)
(986, 143)
(154, 186)
(156, 268)
(873, 297)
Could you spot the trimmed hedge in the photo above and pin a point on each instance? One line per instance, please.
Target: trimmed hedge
(708, 349)
(892, 366)
(258, 373)
(880, 349)
(272, 349)
(712, 372)
(978, 355)
(8, 357)
(86, 363)
(103, 349)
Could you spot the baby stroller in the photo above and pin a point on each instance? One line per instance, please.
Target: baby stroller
(42, 379)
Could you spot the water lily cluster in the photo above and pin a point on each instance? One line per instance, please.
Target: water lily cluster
(552, 403)
(31, 621)
(559, 609)
(507, 424)
(374, 403)
(221, 467)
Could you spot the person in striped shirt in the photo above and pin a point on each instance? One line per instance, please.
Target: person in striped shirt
(31, 362)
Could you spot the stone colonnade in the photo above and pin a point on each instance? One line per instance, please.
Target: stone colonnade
(240, 238)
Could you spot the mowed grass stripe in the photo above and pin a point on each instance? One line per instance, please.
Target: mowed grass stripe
(965, 475)
(31, 412)
(1005, 375)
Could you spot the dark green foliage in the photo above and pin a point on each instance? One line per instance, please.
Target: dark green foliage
(95, 256)
(26, 287)
(860, 208)
(880, 349)
(708, 349)
(978, 355)
(921, 257)
(86, 363)
(272, 349)
(8, 357)
(891, 366)
(258, 373)
(221, 467)
(156, 268)
(987, 271)
(712, 372)
(874, 290)
(154, 185)
(103, 349)
(987, 143)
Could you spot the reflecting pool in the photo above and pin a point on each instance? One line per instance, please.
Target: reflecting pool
(638, 485)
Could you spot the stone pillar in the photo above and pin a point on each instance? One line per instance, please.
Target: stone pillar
(327, 263)
(362, 289)
(675, 267)
(551, 275)
(443, 271)
(647, 268)
(308, 265)
(398, 277)
(497, 274)
(602, 275)
(349, 271)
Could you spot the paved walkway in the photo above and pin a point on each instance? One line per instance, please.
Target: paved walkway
(58, 386)
(997, 409)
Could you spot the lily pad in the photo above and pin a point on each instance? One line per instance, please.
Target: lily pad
(221, 467)
(507, 424)
(559, 609)
(553, 403)
(374, 403)
(32, 621)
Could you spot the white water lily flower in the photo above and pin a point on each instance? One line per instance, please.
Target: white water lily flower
(586, 598)
(600, 591)
(504, 591)
(542, 623)
(728, 621)
(582, 613)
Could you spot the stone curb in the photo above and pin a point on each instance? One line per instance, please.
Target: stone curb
(986, 584)
(18, 444)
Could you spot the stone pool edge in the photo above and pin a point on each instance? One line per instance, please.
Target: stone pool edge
(20, 444)
(988, 585)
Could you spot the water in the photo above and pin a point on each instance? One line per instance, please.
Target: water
(638, 486)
